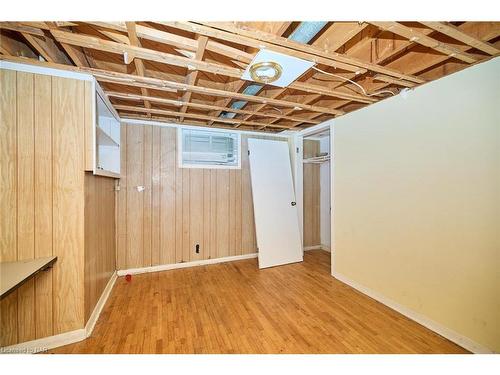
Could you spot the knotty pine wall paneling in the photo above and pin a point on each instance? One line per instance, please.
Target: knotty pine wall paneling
(8, 197)
(99, 237)
(41, 182)
(179, 207)
(43, 124)
(68, 203)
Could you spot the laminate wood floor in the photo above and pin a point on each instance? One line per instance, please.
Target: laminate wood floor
(237, 308)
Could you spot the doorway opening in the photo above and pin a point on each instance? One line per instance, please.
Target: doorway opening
(313, 182)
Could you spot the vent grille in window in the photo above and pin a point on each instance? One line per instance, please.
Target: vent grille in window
(202, 148)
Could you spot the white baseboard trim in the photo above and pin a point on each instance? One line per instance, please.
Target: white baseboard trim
(317, 247)
(89, 327)
(196, 263)
(51, 342)
(46, 343)
(451, 335)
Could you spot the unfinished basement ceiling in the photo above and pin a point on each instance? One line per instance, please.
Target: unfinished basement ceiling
(189, 72)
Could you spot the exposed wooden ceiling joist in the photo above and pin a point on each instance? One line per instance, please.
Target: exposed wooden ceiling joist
(139, 65)
(483, 31)
(179, 103)
(457, 34)
(420, 38)
(194, 115)
(386, 79)
(36, 43)
(129, 52)
(178, 41)
(159, 84)
(306, 51)
(331, 46)
(136, 81)
(194, 69)
(193, 75)
(14, 26)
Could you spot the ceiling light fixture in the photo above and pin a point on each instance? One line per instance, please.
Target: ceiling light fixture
(273, 68)
(266, 71)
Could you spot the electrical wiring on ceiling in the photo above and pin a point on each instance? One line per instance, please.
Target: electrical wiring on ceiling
(355, 83)
(277, 109)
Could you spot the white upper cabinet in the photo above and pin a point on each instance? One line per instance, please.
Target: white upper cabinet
(107, 137)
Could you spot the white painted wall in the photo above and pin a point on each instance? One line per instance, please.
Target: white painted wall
(417, 203)
(324, 176)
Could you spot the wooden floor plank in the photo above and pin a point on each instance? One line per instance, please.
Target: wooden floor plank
(237, 308)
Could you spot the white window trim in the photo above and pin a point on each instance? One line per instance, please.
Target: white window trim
(201, 166)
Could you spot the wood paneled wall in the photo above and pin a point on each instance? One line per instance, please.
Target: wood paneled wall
(100, 240)
(312, 231)
(42, 163)
(180, 207)
(41, 201)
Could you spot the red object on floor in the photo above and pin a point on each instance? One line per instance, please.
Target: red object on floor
(128, 277)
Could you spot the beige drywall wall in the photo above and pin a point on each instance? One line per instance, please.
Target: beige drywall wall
(417, 201)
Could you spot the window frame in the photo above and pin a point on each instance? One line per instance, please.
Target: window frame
(180, 142)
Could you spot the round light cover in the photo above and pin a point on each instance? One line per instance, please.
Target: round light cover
(265, 72)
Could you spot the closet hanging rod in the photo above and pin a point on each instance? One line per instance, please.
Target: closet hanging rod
(317, 159)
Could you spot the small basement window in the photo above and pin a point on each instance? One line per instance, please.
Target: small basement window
(208, 148)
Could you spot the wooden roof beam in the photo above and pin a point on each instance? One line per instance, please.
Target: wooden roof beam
(139, 65)
(45, 25)
(168, 120)
(76, 54)
(160, 84)
(178, 41)
(333, 46)
(381, 60)
(420, 38)
(35, 43)
(387, 79)
(130, 52)
(195, 116)
(33, 35)
(92, 42)
(279, 44)
(259, 44)
(366, 44)
(239, 85)
(135, 82)
(482, 31)
(193, 75)
(466, 28)
(209, 107)
(485, 34)
(23, 29)
(331, 39)
(4, 50)
(457, 34)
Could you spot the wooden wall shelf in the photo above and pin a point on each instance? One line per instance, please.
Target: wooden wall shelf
(14, 274)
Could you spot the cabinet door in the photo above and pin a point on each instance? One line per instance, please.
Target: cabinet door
(107, 139)
(89, 105)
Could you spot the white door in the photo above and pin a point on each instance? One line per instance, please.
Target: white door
(275, 210)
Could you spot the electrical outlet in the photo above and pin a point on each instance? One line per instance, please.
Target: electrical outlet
(197, 248)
